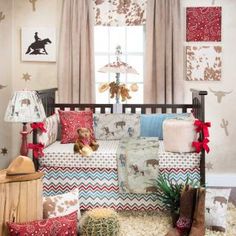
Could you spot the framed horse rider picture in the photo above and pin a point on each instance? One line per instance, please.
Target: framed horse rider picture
(38, 44)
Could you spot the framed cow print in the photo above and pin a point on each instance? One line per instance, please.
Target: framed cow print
(38, 44)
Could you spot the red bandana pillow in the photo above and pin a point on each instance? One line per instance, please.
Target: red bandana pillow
(63, 225)
(71, 121)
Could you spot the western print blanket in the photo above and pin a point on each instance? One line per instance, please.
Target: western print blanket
(138, 163)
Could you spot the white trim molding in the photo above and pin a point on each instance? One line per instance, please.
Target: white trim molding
(221, 180)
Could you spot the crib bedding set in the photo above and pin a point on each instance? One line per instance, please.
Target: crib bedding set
(131, 152)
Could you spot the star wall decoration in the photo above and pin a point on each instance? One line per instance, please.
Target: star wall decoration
(26, 77)
(4, 151)
(209, 166)
(2, 86)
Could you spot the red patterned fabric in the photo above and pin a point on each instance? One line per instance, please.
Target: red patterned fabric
(58, 226)
(71, 121)
(203, 24)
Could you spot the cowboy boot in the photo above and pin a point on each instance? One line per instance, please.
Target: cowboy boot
(187, 203)
(198, 225)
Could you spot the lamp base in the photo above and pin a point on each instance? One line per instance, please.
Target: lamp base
(24, 144)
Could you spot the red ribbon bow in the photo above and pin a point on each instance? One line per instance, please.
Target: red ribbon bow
(37, 149)
(201, 126)
(201, 145)
(39, 125)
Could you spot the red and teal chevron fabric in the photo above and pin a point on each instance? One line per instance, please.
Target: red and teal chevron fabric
(99, 187)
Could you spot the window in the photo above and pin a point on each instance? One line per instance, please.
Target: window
(131, 40)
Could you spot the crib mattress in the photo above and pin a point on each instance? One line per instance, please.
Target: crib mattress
(62, 155)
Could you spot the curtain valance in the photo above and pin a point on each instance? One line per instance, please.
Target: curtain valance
(119, 12)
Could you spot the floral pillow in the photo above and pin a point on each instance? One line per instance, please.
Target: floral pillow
(71, 121)
(216, 208)
(51, 126)
(64, 225)
(61, 204)
(116, 126)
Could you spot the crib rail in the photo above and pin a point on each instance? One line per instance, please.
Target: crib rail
(197, 107)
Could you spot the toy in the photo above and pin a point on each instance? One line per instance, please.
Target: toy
(85, 144)
(114, 89)
(124, 92)
(101, 221)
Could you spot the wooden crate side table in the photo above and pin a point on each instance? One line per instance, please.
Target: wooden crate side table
(20, 201)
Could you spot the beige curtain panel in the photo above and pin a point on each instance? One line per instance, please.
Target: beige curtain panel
(76, 59)
(163, 82)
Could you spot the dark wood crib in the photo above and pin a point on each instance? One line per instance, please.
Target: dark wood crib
(197, 107)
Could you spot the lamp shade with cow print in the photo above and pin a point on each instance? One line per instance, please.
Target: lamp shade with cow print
(25, 106)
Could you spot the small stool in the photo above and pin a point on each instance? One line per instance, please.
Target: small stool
(101, 221)
(20, 199)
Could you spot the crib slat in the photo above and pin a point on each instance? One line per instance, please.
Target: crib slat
(163, 110)
(143, 110)
(173, 110)
(102, 109)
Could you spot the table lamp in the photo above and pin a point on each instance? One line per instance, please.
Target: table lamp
(118, 67)
(25, 107)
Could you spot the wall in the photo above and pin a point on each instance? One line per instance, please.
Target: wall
(5, 78)
(223, 148)
(43, 74)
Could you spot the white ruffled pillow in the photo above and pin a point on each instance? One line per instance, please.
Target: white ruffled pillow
(51, 125)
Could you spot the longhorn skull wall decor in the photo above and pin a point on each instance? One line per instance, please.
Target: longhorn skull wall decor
(220, 94)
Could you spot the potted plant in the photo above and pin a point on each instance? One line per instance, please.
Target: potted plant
(169, 192)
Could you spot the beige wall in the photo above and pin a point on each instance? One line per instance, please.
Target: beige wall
(223, 148)
(5, 77)
(44, 74)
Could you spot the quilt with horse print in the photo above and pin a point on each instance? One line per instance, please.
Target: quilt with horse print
(138, 163)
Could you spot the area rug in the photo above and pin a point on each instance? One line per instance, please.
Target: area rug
(158, 224)
(153, 224)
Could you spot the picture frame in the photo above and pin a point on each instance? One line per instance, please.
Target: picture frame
(38, 44)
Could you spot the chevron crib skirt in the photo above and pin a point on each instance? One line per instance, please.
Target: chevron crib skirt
(99, 187)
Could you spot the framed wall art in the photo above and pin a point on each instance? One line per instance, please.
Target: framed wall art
(204, 63)
(38, 44)
(203, 24)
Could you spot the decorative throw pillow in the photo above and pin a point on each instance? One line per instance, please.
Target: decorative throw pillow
(216, 208)
(64, 225)
(51, 125)
(71, 121)
(151, 124)
(116, 126)
(173, 129)
(61, 204)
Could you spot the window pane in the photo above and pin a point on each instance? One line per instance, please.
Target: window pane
(101, 39)
(137, 63)
(135, 39)
(117, 37)
(100, 61)
(137, 97)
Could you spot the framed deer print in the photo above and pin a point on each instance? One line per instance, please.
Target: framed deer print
(38, 44)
